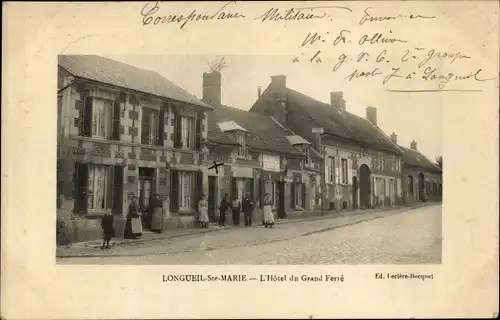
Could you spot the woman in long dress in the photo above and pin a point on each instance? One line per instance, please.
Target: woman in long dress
(203, 212)
(268, 212)
(157, 215)
(133, 227)
(225, 205)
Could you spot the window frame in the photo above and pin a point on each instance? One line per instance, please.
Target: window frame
(190, 130)
(152, 141)
(344, 170)
(108, 108)
(307, 160)
(241, 139)
(186, 192)
(92, 188)
(331, 169)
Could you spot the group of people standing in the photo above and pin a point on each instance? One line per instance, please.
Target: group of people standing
(153, 217)
(248, 208)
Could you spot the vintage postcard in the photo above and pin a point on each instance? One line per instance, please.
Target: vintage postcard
(250, 159)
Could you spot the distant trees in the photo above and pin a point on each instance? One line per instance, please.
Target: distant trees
(439, 162)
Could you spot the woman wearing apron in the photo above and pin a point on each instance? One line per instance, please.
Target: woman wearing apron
(268, 212)
(203, 212)
(157, 215)
(133, 227)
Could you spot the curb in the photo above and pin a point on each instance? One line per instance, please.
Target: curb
(324, 216)
(401, 210)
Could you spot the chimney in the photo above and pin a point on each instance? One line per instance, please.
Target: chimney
(337, 100)
(394, 137)
(279, 82)
(371, 115)
(413, 145)
(212, 88)
(259, 91)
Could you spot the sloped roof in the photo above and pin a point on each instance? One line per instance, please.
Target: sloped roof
(342, 123)
(230, 126)
(263, 132)
(415, 158)
(294, 140)
(122, 75)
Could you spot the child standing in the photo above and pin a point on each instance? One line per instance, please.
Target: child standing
(108, 230)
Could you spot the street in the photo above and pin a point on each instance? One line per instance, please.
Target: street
(406, 236)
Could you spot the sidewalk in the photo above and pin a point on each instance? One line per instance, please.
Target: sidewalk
(90, 248)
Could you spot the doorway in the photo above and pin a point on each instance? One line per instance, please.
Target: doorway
(364, 186)
(212, 201)
(281, 199)
(421, 187)
(146, 190)
(355, 187)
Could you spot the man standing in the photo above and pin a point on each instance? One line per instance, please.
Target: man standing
(247, 210)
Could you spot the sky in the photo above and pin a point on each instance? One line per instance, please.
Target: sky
(411, 116)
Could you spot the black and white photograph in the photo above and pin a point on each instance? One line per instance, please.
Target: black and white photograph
(231, 172)
(250, 160)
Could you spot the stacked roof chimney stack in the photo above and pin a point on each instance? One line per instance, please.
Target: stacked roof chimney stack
(413, 145)
(212, 88)
(394, 137)
(371, 115)
(337, 100)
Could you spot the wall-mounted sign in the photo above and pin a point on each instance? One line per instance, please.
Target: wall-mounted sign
(317, 130)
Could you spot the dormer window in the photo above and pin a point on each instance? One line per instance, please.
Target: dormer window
(242, 143)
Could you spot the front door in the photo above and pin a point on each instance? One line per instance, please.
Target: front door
(354, 192)
(212, 201)
(146, 191)
(281, 199)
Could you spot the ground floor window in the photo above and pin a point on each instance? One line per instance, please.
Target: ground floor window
(186, 190)
(97, 188)
(99, 185)
(298, 194)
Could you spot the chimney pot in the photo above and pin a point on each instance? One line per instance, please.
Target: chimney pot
(280, 81)
(394, 137)
(259, 91)
(337, 100)
(212, 82)
(371, 115)
(413, 145)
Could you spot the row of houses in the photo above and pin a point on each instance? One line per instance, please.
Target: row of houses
(124, 131)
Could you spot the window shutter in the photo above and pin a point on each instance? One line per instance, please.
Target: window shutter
(146, 130)
(261, 192)
(337, 170)
(174, 195)
(177, 130)
(251, 187)
(349, 171)
(81, 184)
(199, 187)
(161, 127)
(292, 187)
(234, 190)
(327, 170)
(116, 121)
(86, 125)
(198, 133)
(117, 189)
(303, 195)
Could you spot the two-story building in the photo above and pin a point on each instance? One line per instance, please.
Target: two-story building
(361, 165)
(259, 155)
(422, 179)
(123, 132)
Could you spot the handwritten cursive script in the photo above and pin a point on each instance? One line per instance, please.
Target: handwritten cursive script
(368, 17)
(150, 9)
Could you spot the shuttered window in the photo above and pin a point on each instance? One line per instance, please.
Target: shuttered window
(150, 131)
(344, 171)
